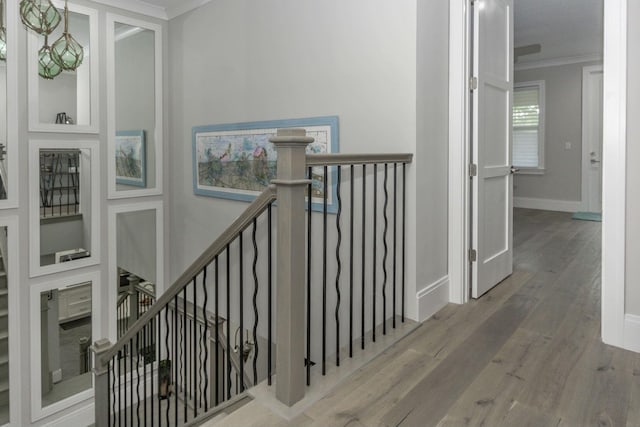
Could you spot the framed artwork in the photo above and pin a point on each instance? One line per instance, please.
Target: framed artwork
(130, 158)
(237, 161)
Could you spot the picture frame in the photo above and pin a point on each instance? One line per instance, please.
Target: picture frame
(130, 156)
(236, 161)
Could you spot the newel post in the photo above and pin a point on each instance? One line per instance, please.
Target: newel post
(290, 184)
(101, 383)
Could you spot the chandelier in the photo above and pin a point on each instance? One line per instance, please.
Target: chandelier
(42, 17)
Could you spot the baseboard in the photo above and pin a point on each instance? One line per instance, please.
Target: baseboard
(82, 417)
(631, 334)
(547, 204)
(432, 298)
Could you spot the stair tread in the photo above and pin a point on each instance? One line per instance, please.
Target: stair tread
(4, 335)
(4, 359)
(4, 291)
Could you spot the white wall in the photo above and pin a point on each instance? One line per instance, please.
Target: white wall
(563, 123)
(633, 157)
(235, 61)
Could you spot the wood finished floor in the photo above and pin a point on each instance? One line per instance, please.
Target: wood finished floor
(528, 353)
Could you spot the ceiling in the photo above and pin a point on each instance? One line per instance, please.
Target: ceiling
(564, 28)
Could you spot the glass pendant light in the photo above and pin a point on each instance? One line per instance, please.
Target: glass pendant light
(3, 34)
(66, 51)
(40, 16)
(47, 67)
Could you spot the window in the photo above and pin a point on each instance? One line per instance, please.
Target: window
(528, 126)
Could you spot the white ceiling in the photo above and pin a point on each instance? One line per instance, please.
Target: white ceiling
(564, 28)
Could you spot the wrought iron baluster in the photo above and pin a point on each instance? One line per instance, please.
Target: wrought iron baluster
(176, 381)
(137, 380)
(194, 353)
(404, 205)
(255, 303)
(325, 190)
(228, 325)
(269, 284)
(241, 303)
(217, 335)
(395, 238)
(364, 240)
(338, 263)
(384, 257)
(309, 235)
(375, 250)
(351, 262)
(184, 368)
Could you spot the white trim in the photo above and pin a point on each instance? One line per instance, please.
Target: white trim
(614, 173)
(432, 298)
(539, 170)
(35, 269)
(34, 45)
(586, 159)
(83, 416)
(458, 228)
(111, 109)
(567, 60)
(37, 411)
(12, 266)
(155, 11)
(547, 204)
(137, 6)
(112, 291)
(184, 6)
(12, 142)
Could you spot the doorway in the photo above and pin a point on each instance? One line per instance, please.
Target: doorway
(461, 155)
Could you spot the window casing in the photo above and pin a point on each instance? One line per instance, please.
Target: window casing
(528, 127)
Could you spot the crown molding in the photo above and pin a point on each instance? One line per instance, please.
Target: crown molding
(166, 13)
(184, 6)
(554, 62)
(137, 6)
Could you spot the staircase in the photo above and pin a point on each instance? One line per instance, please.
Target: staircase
(301, 306)
(4, 339)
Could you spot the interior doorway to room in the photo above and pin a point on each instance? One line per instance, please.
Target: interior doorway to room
(554, 142)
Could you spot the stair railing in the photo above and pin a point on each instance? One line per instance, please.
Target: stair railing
(192, 365)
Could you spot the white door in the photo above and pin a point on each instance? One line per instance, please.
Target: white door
(592, 138)
(492, 187)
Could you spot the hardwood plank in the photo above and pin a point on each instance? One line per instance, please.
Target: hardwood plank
(363, 399)
(598, 389)
(430, 399)
(448, 328)
(523, 416)
(490, 397)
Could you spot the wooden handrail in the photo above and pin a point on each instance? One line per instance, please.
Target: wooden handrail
(357, 159)
(243, 221)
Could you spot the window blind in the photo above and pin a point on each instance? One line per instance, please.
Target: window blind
(526, 126)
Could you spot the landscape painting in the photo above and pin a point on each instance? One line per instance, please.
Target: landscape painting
(237, 161)
(130, 158)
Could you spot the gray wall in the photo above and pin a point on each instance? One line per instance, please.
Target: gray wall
(633, 157)
(237, 61)
(136, 240)
(562, 179)
(432, 141)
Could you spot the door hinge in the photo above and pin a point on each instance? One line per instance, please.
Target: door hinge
(473, 83)
(473, 255)
(473, 170)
